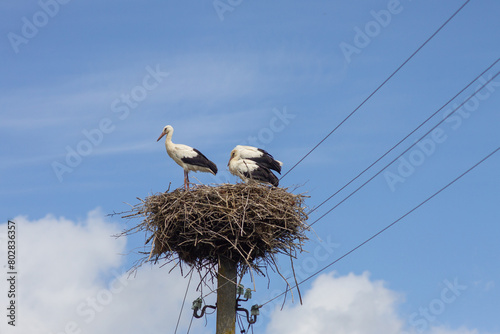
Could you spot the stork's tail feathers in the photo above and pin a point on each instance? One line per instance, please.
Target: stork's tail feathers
(274, 180)
(212, 167)
(267, 161)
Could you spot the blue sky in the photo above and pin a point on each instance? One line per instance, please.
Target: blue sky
(86, 88)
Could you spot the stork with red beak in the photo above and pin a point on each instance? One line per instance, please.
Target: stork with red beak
(190, 159)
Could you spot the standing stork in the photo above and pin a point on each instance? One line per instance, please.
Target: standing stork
(260, 156)
(248, 169)
(187, 157)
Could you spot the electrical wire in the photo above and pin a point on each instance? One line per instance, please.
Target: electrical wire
(411, 146)
(190, 323)
(406, 137)
(366, 99)
(385, 228)
(378, 88)
(366, 182)
(183, 301)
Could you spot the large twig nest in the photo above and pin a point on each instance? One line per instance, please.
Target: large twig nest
(249, 223)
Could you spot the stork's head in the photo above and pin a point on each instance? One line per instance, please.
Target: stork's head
(166, 130)
(235, 154)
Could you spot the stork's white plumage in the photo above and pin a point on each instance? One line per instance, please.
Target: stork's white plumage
(187, 157)
(260, 156)
(247, 169)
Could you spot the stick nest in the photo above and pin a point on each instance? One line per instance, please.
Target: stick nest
(248, 223)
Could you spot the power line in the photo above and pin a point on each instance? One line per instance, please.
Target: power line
(385, 228)
(378, 88)
(183, 301)
(190, 323)
(366, 182)
(369, 96)
(406, 137)
(400, 155)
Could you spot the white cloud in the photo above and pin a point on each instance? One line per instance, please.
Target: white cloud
(348, 304)
(351, 304)
(69, 279)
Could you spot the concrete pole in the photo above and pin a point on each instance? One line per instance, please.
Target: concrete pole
(226, 296)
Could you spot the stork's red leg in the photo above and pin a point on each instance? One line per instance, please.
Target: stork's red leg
(186, 180)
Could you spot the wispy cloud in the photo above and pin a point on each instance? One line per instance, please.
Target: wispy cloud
(133, 147)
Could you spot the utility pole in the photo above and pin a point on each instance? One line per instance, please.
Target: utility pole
(226, 296)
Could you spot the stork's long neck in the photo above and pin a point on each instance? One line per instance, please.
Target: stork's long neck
(168, 141)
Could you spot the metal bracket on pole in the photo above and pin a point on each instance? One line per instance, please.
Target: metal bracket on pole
(197, 305)
(252, 315)
(254, 311)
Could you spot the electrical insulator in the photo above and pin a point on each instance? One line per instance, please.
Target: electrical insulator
(196, 304)
(240, 289)
(248, 293)
(254, 310)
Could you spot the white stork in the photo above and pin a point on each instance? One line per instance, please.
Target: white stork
(187, 157)
(260, 156)
(248, 169)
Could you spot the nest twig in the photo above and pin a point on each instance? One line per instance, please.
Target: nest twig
(248, 223)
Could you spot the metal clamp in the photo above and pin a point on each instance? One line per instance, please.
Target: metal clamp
(197, 305)
(252, 315)
(254, 311)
